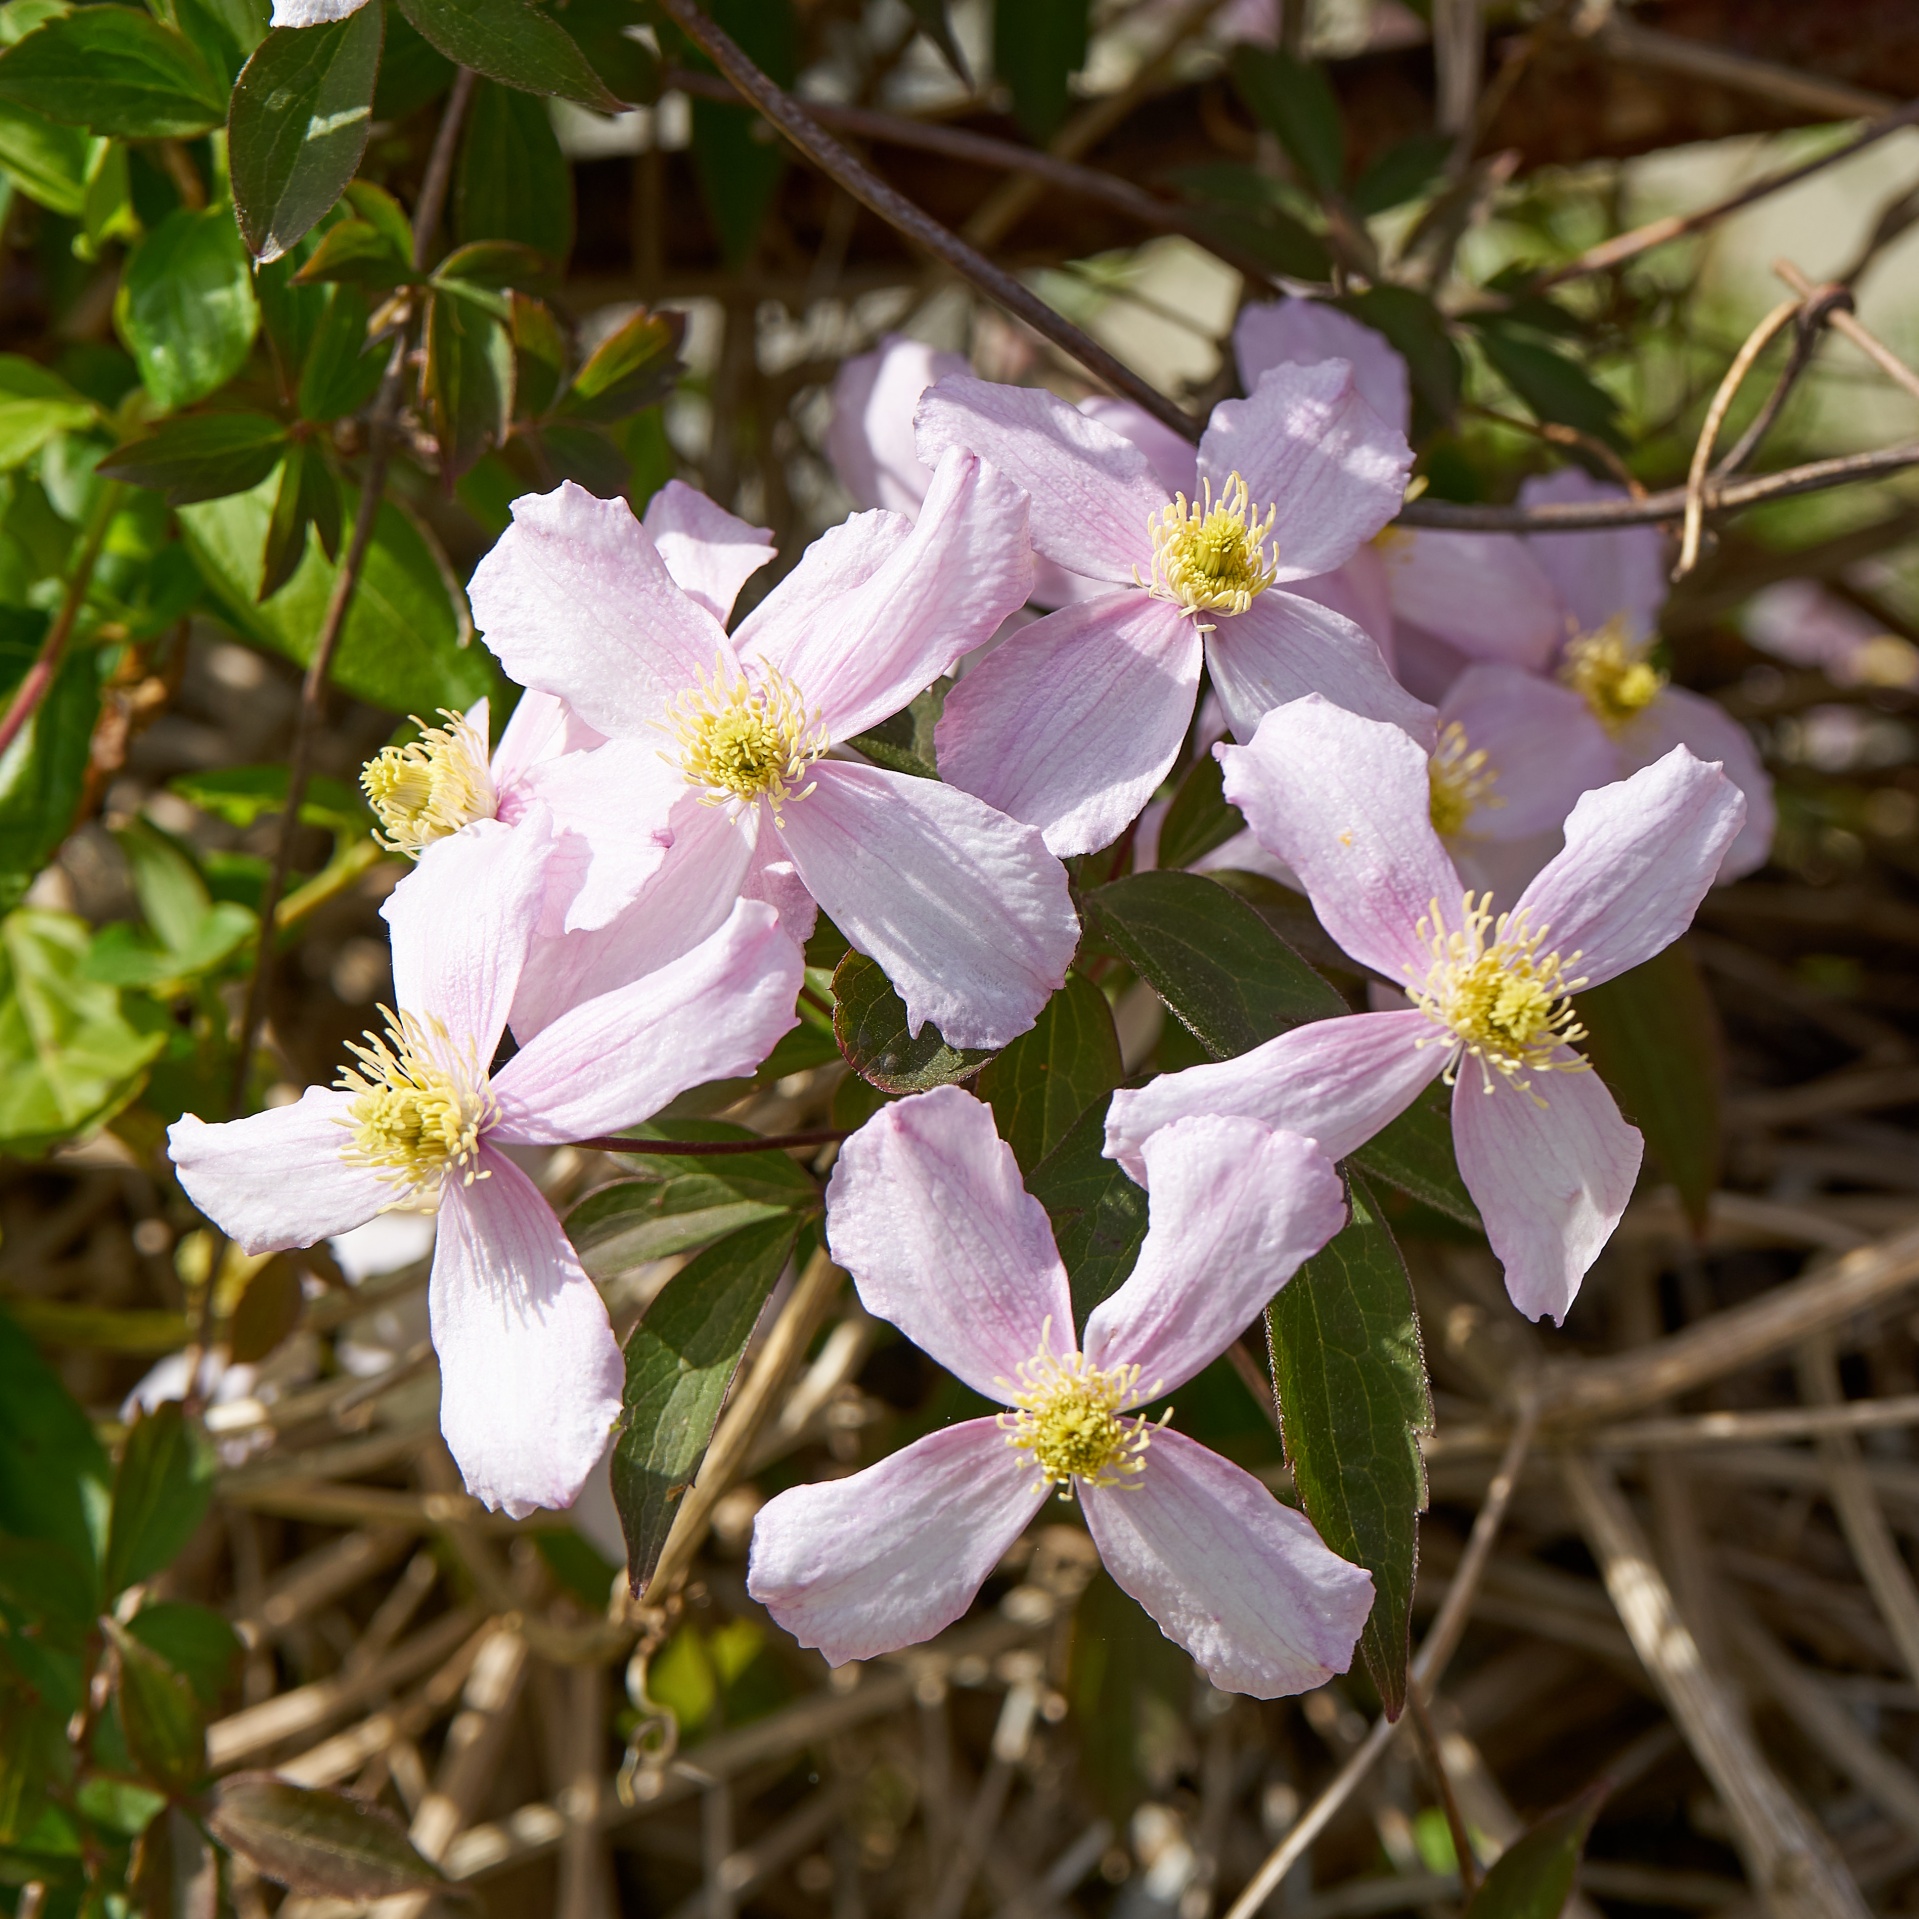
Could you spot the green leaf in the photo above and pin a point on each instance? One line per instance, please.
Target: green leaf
(1417, 331)
(200, 456)
(173, 897)
(1223, 972)
(603, 30)
(1653, 1035)
(54, 1474)
(629, 370)
(467, 380)
(515, 44)
(1098, 1213)
(360, 253)
(411, 72)
(1129, 1686)
(160, 1494)
(514, 182)
(195, 1641)
(174, 1873)
(186, 308)
(1552, 387)
(1047, 1077)
(1038, 45)
(242, 794)
(1294, 98)
(934, 22)
(401, 646)
(223, 32)
(1200, 817)
(68, 1058)
(48, 162)
(165, 1729)
(680, 1360)
(115, 71)
(341, 373)
(35, 404)
(1415, 1153)
(323, 1844)
(308, 496)
(51, 1583)
(1533, 1877)
(869, 1021)
(1403, 172)
(738, 167)
(1351, 1379)
(43, 772)
(298, 126)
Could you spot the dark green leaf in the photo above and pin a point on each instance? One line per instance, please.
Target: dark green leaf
(938, 28)
(1038, 45)
(539, 352)
(1403, 172)
(869, 1021)
(738, 166)
(358, 253)
(467, 380)
(904, 742)
(268, 1310)
(298, 125)
(1223, 972)
(1552, 387)
(54, 1475)
(1098, 1214)
(604, 30)
(174, 1873)
(1200, 817)
(164, 1726)
(514, 182)
(47, 1581)
(512, 43)
(47, 161)
(1417, 332)
(1294, 98)
(224, 32)
(1129, 1686)
(341, 373)
(1415, 1153)
(35, 404)
(195, 1641)
(411, 71)
(1273, 238)
(242, 794)
(631, 369)
(1047, 1077)
(1351, 1380)
(200, 456)
(115, 71)
(160, 1495)
(186, 308)
(1533, 1877)
(1654, 1037)
(319, 1843)
(680, 1360)
(287, 528)
(44, 773)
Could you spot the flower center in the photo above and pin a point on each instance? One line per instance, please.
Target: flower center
(1068, 1419)
(1498, 998)
(430, 787)
(745, 741)
(1611, 672)
(1210, 555)
(1461, 780)
(419, 1108)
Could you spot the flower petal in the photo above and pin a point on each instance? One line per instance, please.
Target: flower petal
(530, 1373)
(709, 552)
(1541, 743)
(713, 1013)
(1272, 332)
(926, 1210)
(542, 728)
(966, 910)
(1358, 591)
(1308, 446)
(1285, 646)
(1639, 857)
(461, 924)
(887, 1558)
(1172, 456)
(1708, 732)
(1234, 1209)
(278, 1179)
(870, 436)
(1346, 803)
(611, 810)
(1242, 1582)
(1336, 1081)
(862, 654)
(1073, 723)
(574, 599)
(1484, 594)
(1603, 574)
(1550, 1180)
(1094, 497)
(311, 13)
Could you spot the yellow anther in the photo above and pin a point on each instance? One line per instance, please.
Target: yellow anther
(1209, 556)
(745, 741)
(420, 1107)
(1461, 779)
(1498, 999)
(1068, 1419)
(430, 787)
(1611, 672)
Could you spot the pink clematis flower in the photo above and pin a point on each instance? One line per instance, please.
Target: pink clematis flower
(725, 740)
(530, 1372)
(927, 1212)
(1075, 721)
(1346, 802)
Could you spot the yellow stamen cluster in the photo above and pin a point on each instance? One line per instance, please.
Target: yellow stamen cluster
(1497, 998)
(1611, 672)
(1209, 556)
(1461, 779)
(430, 787)
(744, 741)
(419, 1108)
(1068, 1419)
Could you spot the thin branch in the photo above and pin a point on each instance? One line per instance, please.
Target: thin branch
(1626, 41)
(896, 210)
(709, 1148)
(1805, 343)
(1843, 321)
(1429, 1746)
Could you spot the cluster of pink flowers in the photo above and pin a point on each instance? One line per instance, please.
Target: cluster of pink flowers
(1459, 748)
